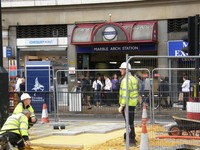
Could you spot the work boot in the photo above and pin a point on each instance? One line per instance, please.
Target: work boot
(132, 142)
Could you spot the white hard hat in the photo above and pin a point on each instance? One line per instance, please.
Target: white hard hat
(25, 96)
(123, 66)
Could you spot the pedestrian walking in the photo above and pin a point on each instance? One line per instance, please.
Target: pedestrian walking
(97, 86)
(77, 87)
(85, 88)
(185, 89)
(115, 88)
(107, 90)
(132, 99)
(22, 87)
(163, 92)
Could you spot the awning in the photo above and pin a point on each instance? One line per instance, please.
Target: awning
(144, 32)
(113, 33)
(82, 34)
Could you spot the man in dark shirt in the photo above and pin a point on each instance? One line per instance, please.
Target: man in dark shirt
(85, 87)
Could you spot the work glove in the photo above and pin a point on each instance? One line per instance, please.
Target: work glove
(121, 109)
(27, 143)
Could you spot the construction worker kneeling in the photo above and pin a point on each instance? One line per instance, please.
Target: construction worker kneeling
(26, 104)
(16, 129)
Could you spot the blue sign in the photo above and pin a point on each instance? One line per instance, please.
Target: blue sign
(38, 83)
(174, 48)
(117, 48)
(8, 52)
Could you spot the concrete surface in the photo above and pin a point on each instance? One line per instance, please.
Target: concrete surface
(77, 134)
(84, 130)
(82, 134)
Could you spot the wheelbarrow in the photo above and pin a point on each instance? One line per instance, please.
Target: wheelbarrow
(184, 125)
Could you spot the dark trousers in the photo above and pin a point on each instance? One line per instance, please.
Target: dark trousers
(115, 97)
(130, 123)
(15, 139)
(97, 97)
(185, 99)
(108, 97)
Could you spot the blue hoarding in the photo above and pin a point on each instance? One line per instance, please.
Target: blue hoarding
(38, 76)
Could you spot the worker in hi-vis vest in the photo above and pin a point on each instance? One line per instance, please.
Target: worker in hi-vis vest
(26, 104)
(132, 99)
(16, 129)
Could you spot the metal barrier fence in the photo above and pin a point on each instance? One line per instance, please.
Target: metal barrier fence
(62, 94)
(65, 96)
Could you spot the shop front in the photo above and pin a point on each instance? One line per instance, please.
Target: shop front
(42, 49)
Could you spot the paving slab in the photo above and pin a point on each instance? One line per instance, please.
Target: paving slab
(72, 136)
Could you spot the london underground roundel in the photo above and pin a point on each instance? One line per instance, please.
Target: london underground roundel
(109, 33)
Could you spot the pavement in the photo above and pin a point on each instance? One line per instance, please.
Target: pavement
(77, 133)
(80, 131)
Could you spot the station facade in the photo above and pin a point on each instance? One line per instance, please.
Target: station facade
(92, 35)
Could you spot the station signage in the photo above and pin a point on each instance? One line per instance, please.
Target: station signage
(7, 52)
(109, 33)
(117, 48)
(174, 48)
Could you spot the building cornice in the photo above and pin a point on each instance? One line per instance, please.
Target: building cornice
(145, 3)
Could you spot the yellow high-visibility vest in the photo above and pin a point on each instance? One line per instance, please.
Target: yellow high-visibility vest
(19, 122)
(19, 109)
(132, 91)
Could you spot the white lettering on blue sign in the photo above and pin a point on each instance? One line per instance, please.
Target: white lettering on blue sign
(180, 53)
(101, 49)
(115, 48)
(37, 99)
(130, 48)
(185, 44)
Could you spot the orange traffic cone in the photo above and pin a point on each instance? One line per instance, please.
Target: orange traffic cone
(144, 113)
(144, 138)
(44, 118)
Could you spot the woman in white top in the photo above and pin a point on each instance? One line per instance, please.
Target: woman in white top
(185, 89)
(97, 86)
(107, 90)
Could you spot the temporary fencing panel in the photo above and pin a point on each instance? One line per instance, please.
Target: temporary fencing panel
(161, 106)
